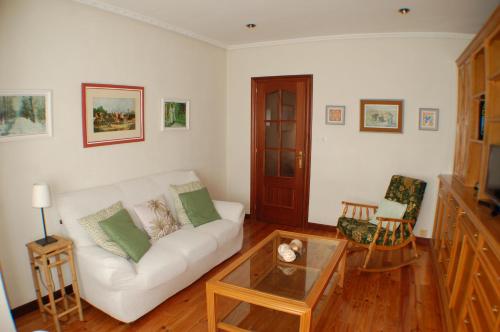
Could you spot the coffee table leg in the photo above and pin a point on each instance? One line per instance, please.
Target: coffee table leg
(211, 309)
(305, 321)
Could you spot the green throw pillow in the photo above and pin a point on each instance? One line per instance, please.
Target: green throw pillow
(199, 207)
(121, 229)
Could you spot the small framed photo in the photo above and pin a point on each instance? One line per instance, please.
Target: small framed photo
(25, 114)
(335, 115)
(112, 114)
(428, 118)
(174, 114)
(381, 115)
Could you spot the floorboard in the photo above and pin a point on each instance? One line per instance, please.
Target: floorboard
(400, 300)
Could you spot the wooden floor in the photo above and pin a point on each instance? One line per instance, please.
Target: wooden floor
(401, 300)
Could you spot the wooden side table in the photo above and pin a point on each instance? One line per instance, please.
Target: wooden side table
(45, 258)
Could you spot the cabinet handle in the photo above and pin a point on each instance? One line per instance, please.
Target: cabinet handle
(473, 298)
(494, 309)
(476, 235)
(466, 321)
(478, 274)
(485, 249)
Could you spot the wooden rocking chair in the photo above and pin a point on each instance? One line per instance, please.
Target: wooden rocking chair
(354, 225)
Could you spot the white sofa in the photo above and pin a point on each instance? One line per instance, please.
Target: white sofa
(126, 290)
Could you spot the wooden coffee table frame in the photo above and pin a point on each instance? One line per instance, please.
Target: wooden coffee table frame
(303, 309)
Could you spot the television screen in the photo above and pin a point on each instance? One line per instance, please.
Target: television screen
(493, 178)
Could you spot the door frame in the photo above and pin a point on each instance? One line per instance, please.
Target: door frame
(307, 143)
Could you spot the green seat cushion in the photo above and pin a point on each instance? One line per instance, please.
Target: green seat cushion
(361, 231)
(199, 207)
(121, 229)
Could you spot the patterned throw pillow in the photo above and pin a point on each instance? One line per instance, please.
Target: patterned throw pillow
(180, 189)
(156, 218)
(91, 225)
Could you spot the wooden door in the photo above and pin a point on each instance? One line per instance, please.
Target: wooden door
(280, 143)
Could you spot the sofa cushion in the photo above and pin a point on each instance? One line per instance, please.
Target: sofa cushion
(222, 230)
(194, 246)
(91, 224)
(199, 207)
(158, 266)
(122, 230)
(156, 217)
(176, 190)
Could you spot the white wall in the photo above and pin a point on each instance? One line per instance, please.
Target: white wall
(348, 164)
(57, 45)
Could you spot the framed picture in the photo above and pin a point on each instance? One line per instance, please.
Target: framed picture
(335, 115)
(428, 118)
(381, 115)
(112, 114)
(25, 114)
(174, 114)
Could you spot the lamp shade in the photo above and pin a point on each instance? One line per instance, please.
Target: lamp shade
(41, 195)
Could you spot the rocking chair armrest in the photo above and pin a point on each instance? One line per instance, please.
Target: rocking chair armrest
(403, 221)
(360, 205)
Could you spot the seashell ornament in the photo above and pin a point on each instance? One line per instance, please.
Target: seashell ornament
(296, 246)
(285, 253)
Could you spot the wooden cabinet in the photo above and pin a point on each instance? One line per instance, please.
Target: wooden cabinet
(466, 257)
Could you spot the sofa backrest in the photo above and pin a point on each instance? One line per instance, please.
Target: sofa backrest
(78, 204)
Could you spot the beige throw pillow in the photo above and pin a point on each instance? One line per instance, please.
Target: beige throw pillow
(156, 218)
(180, 189)
(91, 225)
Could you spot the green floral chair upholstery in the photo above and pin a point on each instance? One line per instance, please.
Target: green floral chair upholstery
(354, 225)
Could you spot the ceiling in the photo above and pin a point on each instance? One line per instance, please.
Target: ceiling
(222, 22)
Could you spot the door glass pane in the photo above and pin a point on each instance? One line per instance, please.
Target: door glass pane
(272, 105)
(287, 166)
(272, 135)
(288, 109)
(288, 135)
(271, 163)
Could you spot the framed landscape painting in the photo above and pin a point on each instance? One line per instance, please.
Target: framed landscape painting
(428, 119)
(112, 114)
(25, 114)
(174, 114)
(335, 115)
(381, 115)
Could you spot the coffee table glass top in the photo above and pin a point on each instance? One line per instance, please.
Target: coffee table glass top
(264, 271)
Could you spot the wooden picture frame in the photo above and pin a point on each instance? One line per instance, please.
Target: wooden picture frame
(25, 114)
(428, 119)
(381, 115)
(334, 115)
(175, 114)
(112, 114)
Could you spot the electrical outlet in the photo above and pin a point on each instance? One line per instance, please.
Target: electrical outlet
(422, 232)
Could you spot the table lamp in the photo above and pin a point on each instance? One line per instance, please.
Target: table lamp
(41, 199)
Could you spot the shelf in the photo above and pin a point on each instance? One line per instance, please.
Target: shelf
(495, 76)
(477, 141)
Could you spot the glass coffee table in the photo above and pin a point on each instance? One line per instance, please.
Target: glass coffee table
(260, 292)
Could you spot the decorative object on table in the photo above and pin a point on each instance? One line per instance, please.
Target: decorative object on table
(355, 226)
(297, 246)
(285, 253)
(156, 218)
(335, 115)
(381, 115)
(174, 114)
(42, 260)
(40, 198)
(112, 114)
(25, 114)
(428, 118)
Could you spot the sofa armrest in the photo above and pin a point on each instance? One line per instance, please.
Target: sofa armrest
(232, 211)
(104, 267)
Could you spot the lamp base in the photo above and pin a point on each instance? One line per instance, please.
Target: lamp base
(46, 240)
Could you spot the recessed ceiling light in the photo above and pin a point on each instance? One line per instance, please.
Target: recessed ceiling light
(251, 26)
(404, 11)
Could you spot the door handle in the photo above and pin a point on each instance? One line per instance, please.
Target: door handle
(299, 158)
